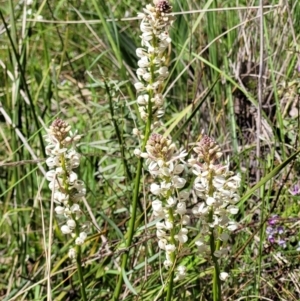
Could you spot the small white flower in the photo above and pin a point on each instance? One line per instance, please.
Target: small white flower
(233, 209)
(155, 189)
(179, 168)
(83, 235)
(135, 132)
(59, 210)
(137, 152)
(147, 36)
(218, 181)
(160, 226)
(170, 248)
(168, 264)
(157, 208)
(140, 52)
(210, 201)
(144, 155)
(162, 244)
(142, 100)
(161, 163)
(143, 62)
(71, 224)
(72, 253)
(182, 235)
(161, 233)
(165, 187)
(181, 208)
(140, 72)
(169, 225)
(60, 197)
(50, 175)
(224, 219)
(72, 177)
(147, 77)
(145, 28)
(235, 199)
(79, 241)
(178, 182)
(171, 201)
(165, 171)
(202, 246)
(185, 219)
(67, 212)
(223, 276)
(65, 229)
(158, 99)
(163, 71)
(181, 273)
(52, 162)
(232, 226)
(75, 208)
(184, 195)
(139, 86)
(200, 209)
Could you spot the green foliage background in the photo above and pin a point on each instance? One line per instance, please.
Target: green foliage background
(78, 63)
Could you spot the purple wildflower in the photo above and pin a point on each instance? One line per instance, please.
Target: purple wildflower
(269, 230)
(273, 220)
(296, 189)
(271, 239)
(280, 230)
(275, 231)
(281, 242)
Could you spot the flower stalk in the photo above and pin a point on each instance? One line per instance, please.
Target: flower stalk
(151, 74)
(216, 188)
(67, 189)
(169, 204)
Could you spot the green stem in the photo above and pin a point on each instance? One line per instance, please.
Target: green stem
(130, 230)
(170, 286)
(80, 273)
(216, 278)
(137, 182)
(172, 240)
(135, 199)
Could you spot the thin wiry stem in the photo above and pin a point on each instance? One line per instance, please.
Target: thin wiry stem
(80, 273)
(134, 209)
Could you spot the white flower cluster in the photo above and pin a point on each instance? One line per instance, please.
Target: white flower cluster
(216, 188)
(67, 189)
(152, 64)
(169, 205)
